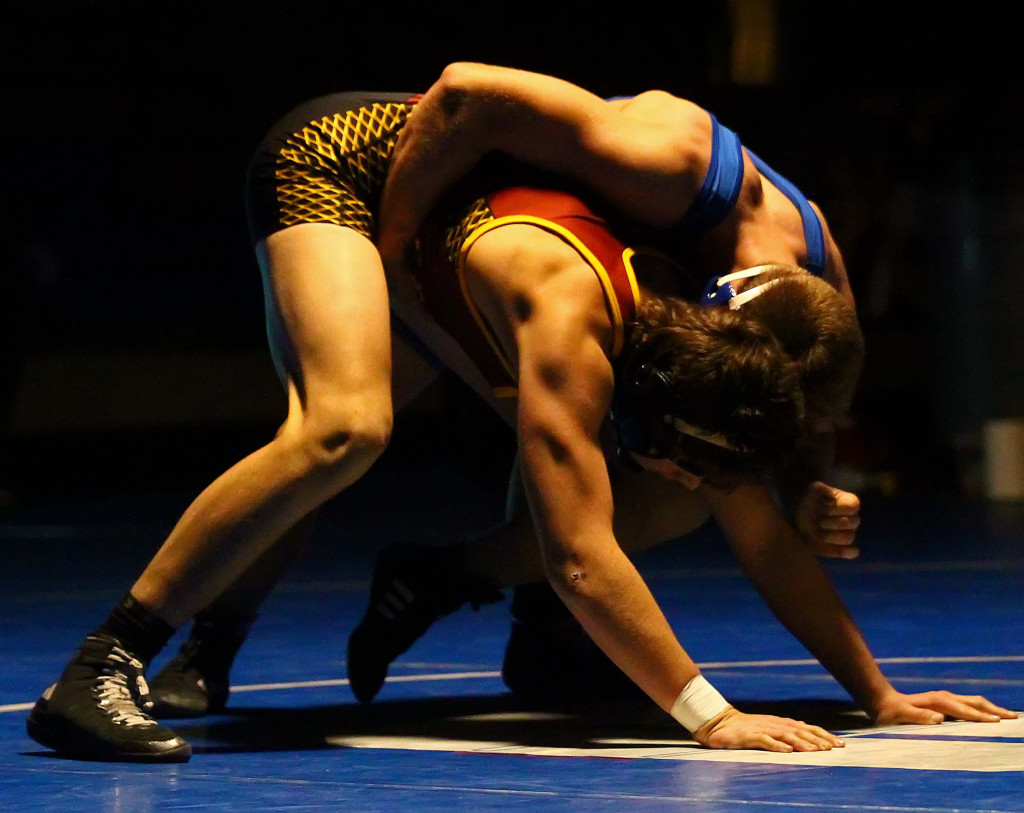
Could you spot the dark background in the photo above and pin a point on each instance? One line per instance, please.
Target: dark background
(130, 305)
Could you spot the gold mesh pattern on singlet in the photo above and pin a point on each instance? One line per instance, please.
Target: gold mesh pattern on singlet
(333, 169)
(459, 231)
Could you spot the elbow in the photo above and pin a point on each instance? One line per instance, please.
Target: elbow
(466, 91)
(462, 77)
(570, 578)
(457, 84)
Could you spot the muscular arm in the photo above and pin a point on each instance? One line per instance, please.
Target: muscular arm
(799, 593)
(565, 386)
(638, 155)
(796, 589)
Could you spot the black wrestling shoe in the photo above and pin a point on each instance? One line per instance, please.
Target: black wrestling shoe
(196, 681)
(98, 710)
(412, 587)
(189, 685)
(550, 659)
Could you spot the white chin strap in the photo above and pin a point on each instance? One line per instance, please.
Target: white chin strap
(717, 438)
(741, 299)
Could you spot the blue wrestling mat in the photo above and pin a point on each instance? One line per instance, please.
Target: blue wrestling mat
(939, 594)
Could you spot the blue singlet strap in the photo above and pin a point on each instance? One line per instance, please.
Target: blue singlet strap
(721, 186)
(814, 237)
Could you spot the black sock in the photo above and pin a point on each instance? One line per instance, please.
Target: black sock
(218, 637)
(140, 631)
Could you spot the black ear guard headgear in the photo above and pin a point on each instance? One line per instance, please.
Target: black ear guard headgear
(647, 420)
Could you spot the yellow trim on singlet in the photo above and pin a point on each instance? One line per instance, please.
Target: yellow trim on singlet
(634, 287)
(618, 330)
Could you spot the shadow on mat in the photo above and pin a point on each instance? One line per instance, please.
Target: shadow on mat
(483, 719)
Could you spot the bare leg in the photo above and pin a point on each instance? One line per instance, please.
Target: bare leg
(411, 374)
(329, 325)
(328, 320)
(246, 594)
(196, 682)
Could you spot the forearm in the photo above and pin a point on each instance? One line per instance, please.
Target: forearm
(565, 390)
(473, 110)
(800, 594)
(613, 604)
(482, 108)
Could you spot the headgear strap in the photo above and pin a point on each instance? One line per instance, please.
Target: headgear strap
(716, 438)
(719, 290)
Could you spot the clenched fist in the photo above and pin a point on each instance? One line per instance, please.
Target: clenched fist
(828, 518)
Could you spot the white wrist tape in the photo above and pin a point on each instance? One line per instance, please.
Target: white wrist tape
(697, 703)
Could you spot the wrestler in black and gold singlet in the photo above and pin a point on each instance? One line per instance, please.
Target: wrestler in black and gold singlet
(326, 162)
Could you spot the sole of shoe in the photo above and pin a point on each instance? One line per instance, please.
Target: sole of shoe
(54, 732)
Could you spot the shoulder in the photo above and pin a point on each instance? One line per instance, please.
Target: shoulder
(660, 105)
(672, 129)
(549, 292)
(564, 343)
(564, 317)
(660, 145)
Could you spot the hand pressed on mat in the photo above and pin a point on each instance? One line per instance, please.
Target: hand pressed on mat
(733, 729)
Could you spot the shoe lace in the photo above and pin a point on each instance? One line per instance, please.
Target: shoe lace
(115, 693)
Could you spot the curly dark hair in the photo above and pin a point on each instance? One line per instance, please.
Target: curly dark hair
(724, 374)
(818, 329)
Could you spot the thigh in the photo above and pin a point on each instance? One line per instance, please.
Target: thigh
(650, 510)
(327, 316)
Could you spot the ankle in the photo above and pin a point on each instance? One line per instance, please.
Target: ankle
(215, 639)
(139, 630)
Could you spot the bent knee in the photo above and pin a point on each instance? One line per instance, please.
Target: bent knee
(339, 444)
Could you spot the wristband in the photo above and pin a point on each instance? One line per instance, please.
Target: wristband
(697, 703)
